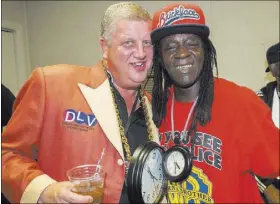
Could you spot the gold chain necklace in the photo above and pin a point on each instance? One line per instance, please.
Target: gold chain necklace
(147, 119)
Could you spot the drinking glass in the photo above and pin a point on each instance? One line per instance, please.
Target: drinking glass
(88, 180)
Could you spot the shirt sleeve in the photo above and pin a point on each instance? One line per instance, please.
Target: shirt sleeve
(22, 179)
(258, 139)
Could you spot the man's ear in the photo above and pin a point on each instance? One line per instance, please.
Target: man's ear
(104, 47)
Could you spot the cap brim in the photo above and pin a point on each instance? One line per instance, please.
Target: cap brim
(267, 69)
(159, 33)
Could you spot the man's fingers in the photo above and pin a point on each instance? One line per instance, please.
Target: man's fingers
(71, 197)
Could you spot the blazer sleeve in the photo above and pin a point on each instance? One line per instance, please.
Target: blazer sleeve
(22, 179)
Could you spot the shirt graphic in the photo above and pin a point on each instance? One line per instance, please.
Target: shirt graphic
(196, 189)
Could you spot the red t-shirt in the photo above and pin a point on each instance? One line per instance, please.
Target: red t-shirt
(240, 137)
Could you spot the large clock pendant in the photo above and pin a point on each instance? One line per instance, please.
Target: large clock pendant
(146, 182)
(177, 163)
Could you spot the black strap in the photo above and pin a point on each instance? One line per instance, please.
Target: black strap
(130, 115)
(133, 107)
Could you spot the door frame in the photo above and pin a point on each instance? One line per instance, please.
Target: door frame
(22, 61)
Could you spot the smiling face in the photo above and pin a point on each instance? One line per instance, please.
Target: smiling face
(183, 57)
(129, 53)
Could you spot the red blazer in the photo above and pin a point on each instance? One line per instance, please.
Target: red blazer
(67, 113)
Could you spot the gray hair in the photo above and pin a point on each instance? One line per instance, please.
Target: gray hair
(121, 11)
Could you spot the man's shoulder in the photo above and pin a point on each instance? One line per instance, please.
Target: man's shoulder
(240, 99)
(70, 73)
(268, 89)
(232, 89)
(63, 70)
(234, 93)
(271, 86)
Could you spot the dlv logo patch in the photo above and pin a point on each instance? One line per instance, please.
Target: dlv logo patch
(78, 117)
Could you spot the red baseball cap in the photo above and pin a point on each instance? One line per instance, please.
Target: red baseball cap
(179, 18)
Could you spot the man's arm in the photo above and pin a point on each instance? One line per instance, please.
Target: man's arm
(22, 179)
(258, 138)
(261, 152)
(265, 153)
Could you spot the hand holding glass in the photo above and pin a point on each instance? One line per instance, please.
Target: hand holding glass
(88, 180)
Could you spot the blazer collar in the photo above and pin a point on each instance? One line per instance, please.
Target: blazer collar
(100, 100)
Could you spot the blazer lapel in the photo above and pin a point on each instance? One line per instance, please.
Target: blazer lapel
(101, 103)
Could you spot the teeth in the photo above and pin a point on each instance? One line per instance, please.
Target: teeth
(137, 64)
(184, 67)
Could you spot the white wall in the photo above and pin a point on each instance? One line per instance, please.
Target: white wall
(14, 12)
(242, 32)
(64, 31)
(68, 32)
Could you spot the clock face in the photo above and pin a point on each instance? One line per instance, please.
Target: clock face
(152, 177)
(175, 163)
